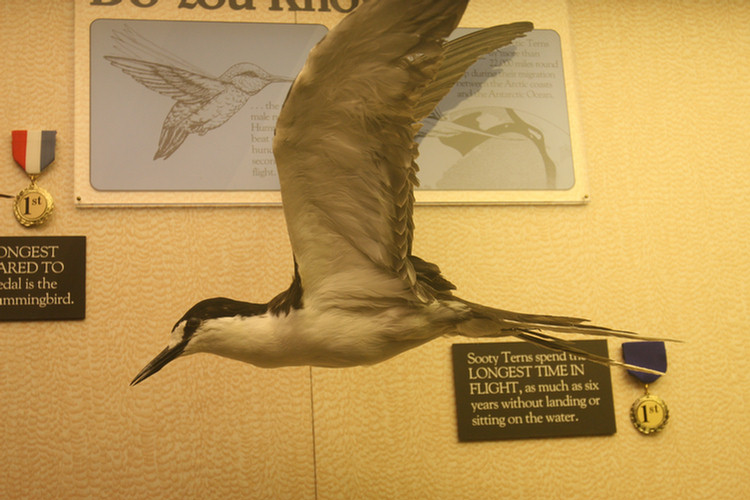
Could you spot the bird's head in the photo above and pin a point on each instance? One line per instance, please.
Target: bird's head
(195, 325)
(250, 77)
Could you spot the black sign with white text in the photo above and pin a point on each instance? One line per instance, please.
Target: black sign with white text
(514, 390)
(42, 278)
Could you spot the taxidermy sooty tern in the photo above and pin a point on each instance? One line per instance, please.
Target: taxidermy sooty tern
(345, 152)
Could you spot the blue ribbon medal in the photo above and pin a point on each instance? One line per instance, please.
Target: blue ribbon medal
(649, 413)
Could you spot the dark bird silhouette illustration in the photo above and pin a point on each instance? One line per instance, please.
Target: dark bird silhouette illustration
(203, 102)
(345, 151)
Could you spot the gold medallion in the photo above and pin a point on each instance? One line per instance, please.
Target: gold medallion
(649, 413)
(33, 205)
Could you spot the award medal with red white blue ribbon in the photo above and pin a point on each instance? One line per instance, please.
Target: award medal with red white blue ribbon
(33, 151)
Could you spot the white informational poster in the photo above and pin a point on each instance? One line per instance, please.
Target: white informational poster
(183, 112)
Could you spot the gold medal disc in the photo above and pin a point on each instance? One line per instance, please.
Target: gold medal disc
(649, 414)
(33, 205)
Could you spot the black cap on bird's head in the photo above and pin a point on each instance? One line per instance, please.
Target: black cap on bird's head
(184, 330)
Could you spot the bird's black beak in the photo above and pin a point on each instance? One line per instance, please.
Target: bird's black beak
(159, 362)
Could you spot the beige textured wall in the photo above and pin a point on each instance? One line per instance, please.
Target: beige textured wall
(662, 248)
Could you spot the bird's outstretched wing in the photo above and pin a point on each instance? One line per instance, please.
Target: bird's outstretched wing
(345, 149)
(180, 84)
(130, 43)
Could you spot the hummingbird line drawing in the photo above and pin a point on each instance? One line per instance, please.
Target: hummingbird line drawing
(203, 102)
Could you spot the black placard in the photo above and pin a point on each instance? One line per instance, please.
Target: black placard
(42, 277)
(514, 390)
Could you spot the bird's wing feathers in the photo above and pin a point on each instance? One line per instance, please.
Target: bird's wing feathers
(460, 54)
(133, 45)
(344, 144)
(179, 84)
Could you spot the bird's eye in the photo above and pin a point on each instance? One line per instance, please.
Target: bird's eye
(192, 324)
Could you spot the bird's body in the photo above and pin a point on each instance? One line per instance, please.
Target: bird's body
(345, 152)
(318, 337)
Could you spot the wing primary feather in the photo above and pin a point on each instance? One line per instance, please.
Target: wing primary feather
(460, 54)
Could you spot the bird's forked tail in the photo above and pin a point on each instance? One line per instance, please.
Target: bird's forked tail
(538, 329)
